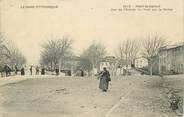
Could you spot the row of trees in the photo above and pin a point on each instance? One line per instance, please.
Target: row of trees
(57, 52)
(128, 50)
(10, 54)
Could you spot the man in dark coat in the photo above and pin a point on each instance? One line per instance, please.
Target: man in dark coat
(1, 70)
(7, 70)
(22, 71)
(82, 73)
(43, 71)
(57, 71)
(104, 80)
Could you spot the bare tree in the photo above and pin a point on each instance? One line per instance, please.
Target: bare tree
(16, 58)
(55, 52)
(92, 56)
(127, 51)
(9, 53)
(85, 64)
(151, 47)
(120, 56)
(4, 51)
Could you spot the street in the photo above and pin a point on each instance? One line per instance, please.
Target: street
(130, 96)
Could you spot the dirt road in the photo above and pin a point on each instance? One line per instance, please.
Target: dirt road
(132, 96)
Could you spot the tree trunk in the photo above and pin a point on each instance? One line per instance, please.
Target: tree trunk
(51, 66)
(151, 69)
(93, 72)
(55, 63)
(126, 73)
(60, 65)
(120, 69)
(88, 72)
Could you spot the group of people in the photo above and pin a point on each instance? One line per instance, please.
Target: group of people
(22, 71)
(6, 70)
(104, 75)
(37, 69)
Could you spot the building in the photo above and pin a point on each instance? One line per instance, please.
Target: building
(155, 65)
(110, 62)
(114, 65)
(171, 59)
(140, 62)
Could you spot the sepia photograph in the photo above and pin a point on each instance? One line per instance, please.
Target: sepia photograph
(91, 58)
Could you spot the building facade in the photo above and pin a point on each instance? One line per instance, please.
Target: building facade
(115, 66)
(155, 65)
(171, 59)
(140, 62)
(110, 62)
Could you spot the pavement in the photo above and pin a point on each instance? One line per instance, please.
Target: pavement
(51, 96)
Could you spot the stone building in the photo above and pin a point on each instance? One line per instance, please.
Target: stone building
(115, 66)
(110, 62)
(171, 59)
(140, 62)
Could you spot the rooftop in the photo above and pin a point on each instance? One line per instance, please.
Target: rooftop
(109, 59)
(167, 47)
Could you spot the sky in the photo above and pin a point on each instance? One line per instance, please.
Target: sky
(87, 21)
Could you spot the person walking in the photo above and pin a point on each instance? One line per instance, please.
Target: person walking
(104, 80)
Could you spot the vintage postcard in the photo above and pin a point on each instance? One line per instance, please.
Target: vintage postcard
(91, 58)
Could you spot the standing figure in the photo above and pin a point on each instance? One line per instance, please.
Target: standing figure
(82, 73)
(37, 70)
(69, 73)
(7, 70)
(57, 71)
(1, 70)
(31, 70)
(16, 69)
(43, 71)
(22, 71)
(104, 80)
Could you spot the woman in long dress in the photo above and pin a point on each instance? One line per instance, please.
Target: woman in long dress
(104, 80)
